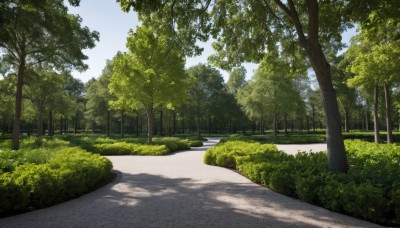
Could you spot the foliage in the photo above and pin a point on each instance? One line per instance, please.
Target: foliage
(280, 139)
(150, 75)
(173, 144)
(130, 146)
(37, 32)
(226, 154)
(43, 177)
(123, 148)
(369, 190)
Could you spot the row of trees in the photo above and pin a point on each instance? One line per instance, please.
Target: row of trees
(40, 36)
(247, 30)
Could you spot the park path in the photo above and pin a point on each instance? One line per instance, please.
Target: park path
(180, 191)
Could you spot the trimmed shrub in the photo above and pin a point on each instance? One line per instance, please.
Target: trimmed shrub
(123, 148)
(173, 144)
(370, 190)
(194, 143)
(69, 172)
(227, 153)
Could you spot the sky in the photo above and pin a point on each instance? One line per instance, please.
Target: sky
(106, 17)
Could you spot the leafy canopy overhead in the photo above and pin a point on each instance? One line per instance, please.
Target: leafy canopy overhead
(243, 30)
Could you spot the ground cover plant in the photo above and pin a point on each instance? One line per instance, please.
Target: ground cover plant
(370, 190)
(47, 171)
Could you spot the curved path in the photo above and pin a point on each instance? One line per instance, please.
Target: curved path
(180, 191)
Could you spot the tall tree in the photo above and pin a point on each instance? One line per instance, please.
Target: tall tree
(245, 29)
(237, 79)
(151, 74)
(34, 32)
(42, 84)
(272, 91)
(98, 97)
(207, 84)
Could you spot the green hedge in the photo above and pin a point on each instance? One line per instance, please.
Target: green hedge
(173, 144)
(131, 146)
(370, 190)
(123, 148)
(280, 139)
(226, 155)
(63, 174)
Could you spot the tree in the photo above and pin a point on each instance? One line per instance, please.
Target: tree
(150, 75)
(245, 29)
(98, 97)
(271, 92)
(207, 86)
(345, 94)
(237, 79)
(35, 32)
(74, 90)
(42, 85)
(374, 64)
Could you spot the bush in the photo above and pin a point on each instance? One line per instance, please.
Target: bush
(119, 148)
(227, 153)
(194, 143)
(173, 144)
(280, 139)
(123, 148)
(370, 190)
(69, 172)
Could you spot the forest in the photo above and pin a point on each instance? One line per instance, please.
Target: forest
(309, 87)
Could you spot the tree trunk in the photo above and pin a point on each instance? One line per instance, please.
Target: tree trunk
(301, 125)
(183, 123)
(61, 125)
(174, 123)
(388, 105)
(50, 125)
(366, 120)
(313, 118)
(209, 124)
(337, 160)
(161, 123)
(198, 118)
(376, 118)
(308, 123)
(285, 123)
(122, 124)
(346, 120)
(149, 112)
(76, 123)
(137, 125)
(18, 104)
(108, 123)
(40, 121)
(274, 125)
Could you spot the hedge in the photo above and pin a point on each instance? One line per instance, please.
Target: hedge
(370, 190)
(65, 173)
(132, 146)
(123, 148)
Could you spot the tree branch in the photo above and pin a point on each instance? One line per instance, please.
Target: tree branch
(313, 20)
(294, 17)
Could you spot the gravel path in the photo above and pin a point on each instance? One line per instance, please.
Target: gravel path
(180, 191)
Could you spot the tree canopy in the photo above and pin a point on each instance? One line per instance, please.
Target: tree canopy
(151, 74)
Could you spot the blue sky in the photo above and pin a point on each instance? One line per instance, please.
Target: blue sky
(106, 17)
